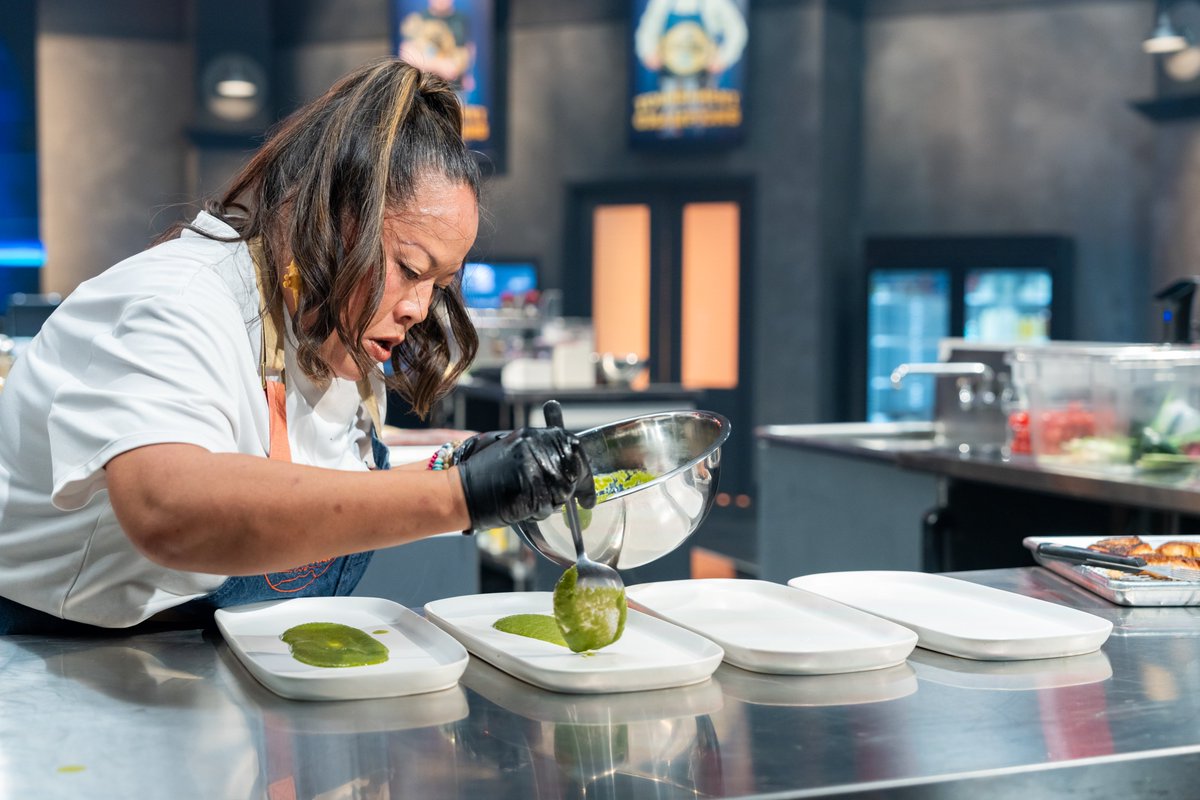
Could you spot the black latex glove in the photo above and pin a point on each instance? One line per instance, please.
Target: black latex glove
(474, 444)
(525, 474)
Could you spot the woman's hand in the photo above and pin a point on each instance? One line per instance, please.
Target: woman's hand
(524, 474)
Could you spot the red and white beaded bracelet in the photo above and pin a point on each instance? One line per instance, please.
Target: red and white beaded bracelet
(442, 458)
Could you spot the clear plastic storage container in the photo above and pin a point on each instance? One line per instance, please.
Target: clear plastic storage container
(1111, 405)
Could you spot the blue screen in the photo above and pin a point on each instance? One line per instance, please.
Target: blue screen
(18, 124)
(485, 284)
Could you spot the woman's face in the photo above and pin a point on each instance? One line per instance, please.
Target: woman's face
(425, 245)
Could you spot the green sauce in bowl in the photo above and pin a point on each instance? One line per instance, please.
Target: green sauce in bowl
(609, 485)
(613, 483)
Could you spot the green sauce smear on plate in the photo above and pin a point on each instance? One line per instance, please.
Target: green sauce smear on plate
(535, 626)
(331, 644)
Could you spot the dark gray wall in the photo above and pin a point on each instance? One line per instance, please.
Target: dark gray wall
(114, 102)
(1015, 118)
(998, 116)
(841, 181)
(1176, 198)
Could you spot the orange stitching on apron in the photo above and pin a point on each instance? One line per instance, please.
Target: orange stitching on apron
(279, 580)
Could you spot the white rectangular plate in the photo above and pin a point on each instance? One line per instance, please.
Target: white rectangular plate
(1127, 590)
(651, 654)
(964, 619)
(768, 627)
(421, 658)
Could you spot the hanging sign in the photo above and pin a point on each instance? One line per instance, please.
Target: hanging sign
(456, 39)
(688, 71)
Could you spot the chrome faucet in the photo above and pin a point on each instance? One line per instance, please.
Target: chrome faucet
(970, 413)
(968, 396)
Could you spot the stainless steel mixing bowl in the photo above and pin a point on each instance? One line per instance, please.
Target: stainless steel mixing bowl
(681, 449)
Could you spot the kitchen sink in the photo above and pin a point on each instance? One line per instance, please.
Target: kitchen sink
(878, 436)
(888, 437)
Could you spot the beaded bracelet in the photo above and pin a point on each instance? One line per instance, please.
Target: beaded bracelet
(442, 458)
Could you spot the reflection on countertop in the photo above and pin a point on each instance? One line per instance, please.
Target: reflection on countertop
(126, 716)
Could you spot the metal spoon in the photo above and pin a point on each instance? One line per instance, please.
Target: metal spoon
(591, 612)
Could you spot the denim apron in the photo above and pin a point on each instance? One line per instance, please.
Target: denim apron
(333, 576)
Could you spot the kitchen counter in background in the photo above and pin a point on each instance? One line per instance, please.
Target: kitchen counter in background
(478, 402)
(866, 495)
(911, 446)
(175, 714)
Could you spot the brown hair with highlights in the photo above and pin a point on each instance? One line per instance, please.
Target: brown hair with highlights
(320, 188)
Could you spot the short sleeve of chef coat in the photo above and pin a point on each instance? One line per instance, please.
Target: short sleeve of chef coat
(172, 369)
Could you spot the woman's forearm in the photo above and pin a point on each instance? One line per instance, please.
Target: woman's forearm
(230, 514)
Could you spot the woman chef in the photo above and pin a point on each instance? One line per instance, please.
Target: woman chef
(195, 427)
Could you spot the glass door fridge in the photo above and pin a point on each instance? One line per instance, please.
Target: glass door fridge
(908, 313)
(1010, 289)
(1007, 305)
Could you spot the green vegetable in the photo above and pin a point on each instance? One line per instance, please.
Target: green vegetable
(1164, 462)
(1151, 441)
(1101, 449)
(1175, 417)
(1174, 430)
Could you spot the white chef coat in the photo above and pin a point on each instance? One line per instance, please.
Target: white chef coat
(163, 347)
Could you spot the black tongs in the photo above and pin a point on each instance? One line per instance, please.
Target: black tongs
(1095, 558)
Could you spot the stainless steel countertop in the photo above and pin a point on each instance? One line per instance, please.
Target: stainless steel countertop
(909, 446)
(174, 715)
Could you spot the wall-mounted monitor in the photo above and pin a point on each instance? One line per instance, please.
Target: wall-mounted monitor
(487, 283)
(18, 125)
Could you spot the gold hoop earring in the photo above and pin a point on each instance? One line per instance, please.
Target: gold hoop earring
(292, 281)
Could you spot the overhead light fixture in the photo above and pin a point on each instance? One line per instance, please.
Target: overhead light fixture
(238, 88)
(234, 87)
(1165, 36)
